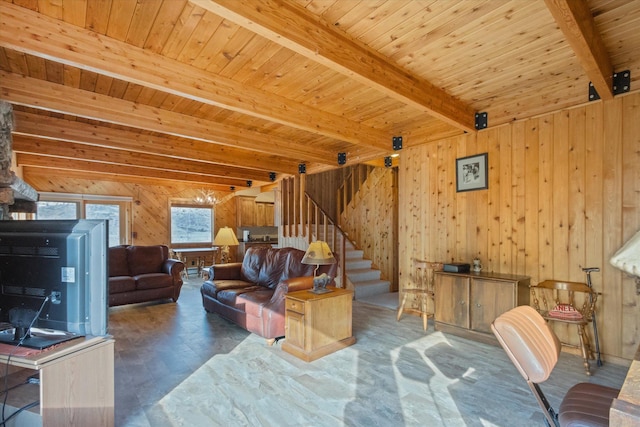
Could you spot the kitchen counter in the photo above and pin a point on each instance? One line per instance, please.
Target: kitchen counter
(270, 241)
(242, 246)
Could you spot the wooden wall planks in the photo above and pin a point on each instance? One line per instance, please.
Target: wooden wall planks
(563, 194)
(370, 220)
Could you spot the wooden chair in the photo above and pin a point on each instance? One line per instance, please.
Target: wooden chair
(176, 255)
(204, 263)
(420, 290)
(568, 303)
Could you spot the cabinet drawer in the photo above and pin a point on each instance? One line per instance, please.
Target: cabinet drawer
(294, 305)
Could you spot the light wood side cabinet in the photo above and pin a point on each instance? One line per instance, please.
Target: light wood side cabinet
(318, 324)
(76, 384)
(467, 303)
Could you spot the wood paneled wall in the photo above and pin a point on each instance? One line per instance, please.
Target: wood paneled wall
(322, 187)
(151, 201)
(371, 221)
(564, 193)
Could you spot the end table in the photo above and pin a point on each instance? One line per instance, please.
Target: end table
(318, 324)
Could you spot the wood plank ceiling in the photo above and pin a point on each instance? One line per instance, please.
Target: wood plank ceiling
(220, 92)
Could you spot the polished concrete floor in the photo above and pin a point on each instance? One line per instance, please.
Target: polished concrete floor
(176, 365)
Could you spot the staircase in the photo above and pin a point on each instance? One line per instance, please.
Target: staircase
(364, 279)
(304, 221)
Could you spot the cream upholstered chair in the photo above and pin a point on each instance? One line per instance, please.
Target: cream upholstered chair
(420, 289)
(568, 303)
(534, 349)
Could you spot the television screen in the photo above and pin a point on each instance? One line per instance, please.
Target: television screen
(57, 270)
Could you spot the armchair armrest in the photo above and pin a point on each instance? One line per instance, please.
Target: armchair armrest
(174, 268)
(293, 284)
(230, 271)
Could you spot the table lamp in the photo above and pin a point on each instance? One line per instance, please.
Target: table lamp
(319, 254)
(225, 238)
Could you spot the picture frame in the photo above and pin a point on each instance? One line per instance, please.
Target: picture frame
(472, 173)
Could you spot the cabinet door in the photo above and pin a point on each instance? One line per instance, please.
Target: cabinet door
(452, 300)
(489, 299)
(260, 215)
(269, 213)
(294, 330)
(246, 211)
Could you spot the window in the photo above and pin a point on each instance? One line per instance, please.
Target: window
(58, 210)
(81, 206)
(190, 224)
(110, 212)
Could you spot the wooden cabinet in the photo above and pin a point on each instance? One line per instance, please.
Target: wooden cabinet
(452, 306)
(467, 303)
(264, 214)
(76, 384)
(246, 211)
(317, 324)
(254, 214)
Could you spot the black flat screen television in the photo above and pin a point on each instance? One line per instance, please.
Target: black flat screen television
(57, 270)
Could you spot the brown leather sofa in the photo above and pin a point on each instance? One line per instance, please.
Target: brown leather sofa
(252, 293)
(143, 273)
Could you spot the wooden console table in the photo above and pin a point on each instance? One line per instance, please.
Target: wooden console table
(318, 324)
(76, 384)
(196, 257)
(467, 303)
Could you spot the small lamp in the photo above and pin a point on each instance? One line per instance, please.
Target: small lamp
(225, 238)
(319, 254)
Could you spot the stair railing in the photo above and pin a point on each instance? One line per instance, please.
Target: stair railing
(350, 186)
(302, 217)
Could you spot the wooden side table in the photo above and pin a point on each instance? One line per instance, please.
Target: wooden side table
(318, 324)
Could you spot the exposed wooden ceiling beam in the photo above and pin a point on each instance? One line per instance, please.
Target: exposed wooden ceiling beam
(30, 124)
(36, 34)
(72, 150)
(48, 96)
(292, 26)
(36, 173)
(576, 22)
(85, 169)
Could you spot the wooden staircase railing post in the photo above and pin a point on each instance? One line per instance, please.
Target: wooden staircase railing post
(302, 199)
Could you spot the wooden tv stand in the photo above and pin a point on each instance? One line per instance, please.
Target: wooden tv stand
(75, 384)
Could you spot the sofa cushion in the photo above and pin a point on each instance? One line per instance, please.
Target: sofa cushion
(145, 259)
(230, 297)
(121, 284)
(254, 301)
(153, 281)
(118, 265)
(212, 288)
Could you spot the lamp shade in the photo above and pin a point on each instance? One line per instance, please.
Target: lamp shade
(318, 253)
(225, 237)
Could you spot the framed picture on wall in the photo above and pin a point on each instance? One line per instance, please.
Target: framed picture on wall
(472, 173)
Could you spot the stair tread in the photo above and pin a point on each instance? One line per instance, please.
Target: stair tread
(351, 263)
(363, 270)
(370, 282)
